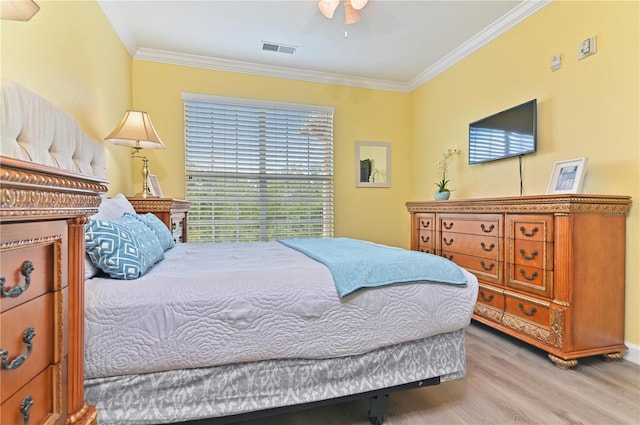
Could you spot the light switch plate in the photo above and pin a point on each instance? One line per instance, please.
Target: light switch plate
(587, 48)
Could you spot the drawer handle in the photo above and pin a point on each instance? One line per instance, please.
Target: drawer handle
(173, 226)
(484, 247)
(424, 239)
(425, 224)
(533, 275)
(533, 255)
(488, 269)
(529, 313)
(27, 268)
(533, 231)
(27, 337)
(448, 257)
(449, 242)
(447, 226)
(485, 298)
(487, 230)
(25, 406)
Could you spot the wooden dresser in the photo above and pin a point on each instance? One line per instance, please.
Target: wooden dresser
(172, 212)
(551, 268)
(42, 216)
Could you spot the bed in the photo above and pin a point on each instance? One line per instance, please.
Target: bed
(227, 331)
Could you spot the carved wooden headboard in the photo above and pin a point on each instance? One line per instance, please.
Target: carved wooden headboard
(37, 131)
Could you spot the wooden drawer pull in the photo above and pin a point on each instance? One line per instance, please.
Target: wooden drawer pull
(424, 239)
(27, 337)
(484, 247)
(25, 406)
(533, 231)
(487, 230)
(27, 268)
(533, 275)
(425, 224)
(447, 226)
(533, 255)
(485, 298)
(529, 313)
(449, 242)
(489, 268)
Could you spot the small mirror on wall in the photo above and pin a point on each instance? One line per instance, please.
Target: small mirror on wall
(373, 164)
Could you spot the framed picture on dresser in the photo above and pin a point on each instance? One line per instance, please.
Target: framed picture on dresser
(154, 186)
(567, 176)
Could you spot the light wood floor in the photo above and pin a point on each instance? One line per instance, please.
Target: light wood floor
(507, 382)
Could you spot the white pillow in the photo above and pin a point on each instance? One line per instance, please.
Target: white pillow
(114, 208)
(109, 209)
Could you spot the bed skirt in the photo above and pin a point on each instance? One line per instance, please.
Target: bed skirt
(192, 394)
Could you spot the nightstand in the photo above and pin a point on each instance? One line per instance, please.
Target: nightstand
(172, 212)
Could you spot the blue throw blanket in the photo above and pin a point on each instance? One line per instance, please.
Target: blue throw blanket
(357, 264)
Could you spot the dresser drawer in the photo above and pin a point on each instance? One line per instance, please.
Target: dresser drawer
(530, 227)
(491, 297)
(426, 242)
(40, 399)
(486, 269)
(530, 279)
(425, 221)
(476, 224)
(476, 245)
(31, 324)
(537, 254)
(32, 258)
(527, 309)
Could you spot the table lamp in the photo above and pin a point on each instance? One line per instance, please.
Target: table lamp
(136, 131)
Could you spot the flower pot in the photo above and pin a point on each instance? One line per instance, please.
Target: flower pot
(442, 196)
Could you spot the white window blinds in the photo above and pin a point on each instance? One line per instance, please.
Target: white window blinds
(257, 171)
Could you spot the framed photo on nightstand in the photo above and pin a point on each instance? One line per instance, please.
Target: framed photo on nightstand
(567, 176)
(154, 186)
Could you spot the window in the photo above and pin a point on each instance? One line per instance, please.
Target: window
(256, 170)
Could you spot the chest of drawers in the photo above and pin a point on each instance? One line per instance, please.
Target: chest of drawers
(551, 268)
(42, 217)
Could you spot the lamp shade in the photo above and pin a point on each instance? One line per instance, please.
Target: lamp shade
(135, 130)
(18, 10)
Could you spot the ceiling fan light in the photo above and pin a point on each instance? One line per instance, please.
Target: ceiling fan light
(351, 16)
(358, 4)
(328, 7)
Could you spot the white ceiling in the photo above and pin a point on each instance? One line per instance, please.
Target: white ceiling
(397, 45)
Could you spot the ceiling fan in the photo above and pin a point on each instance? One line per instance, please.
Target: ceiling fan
(351, 7)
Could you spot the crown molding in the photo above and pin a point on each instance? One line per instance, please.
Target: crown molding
(175, 58)
(509, 20)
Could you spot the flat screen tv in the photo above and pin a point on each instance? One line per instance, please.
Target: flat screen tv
(511, 132)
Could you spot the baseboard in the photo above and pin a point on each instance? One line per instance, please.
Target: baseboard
(632, 354)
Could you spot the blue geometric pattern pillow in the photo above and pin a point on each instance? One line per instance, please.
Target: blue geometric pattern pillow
(123, 248)
(154, 223)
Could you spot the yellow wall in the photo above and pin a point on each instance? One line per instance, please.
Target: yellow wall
(376, 214)
(589, 108)
(69, 54)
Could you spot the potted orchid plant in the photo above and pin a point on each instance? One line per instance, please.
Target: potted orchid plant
(443, 191)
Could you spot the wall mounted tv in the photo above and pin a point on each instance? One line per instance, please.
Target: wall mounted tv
(511, 132)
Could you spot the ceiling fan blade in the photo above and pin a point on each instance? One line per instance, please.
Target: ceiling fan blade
(358, 4)
(328, 7)
(351, 16)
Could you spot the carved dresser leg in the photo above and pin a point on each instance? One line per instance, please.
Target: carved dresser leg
(563, 364)
(609, 357)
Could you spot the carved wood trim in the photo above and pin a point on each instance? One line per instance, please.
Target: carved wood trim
(35, 191)
(556, 204)
(527, 328)
(489, 313)
(557, 328)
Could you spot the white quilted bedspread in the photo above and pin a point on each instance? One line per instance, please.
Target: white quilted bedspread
(219, 303)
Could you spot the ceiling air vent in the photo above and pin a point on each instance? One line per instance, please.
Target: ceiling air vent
(280, 48)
